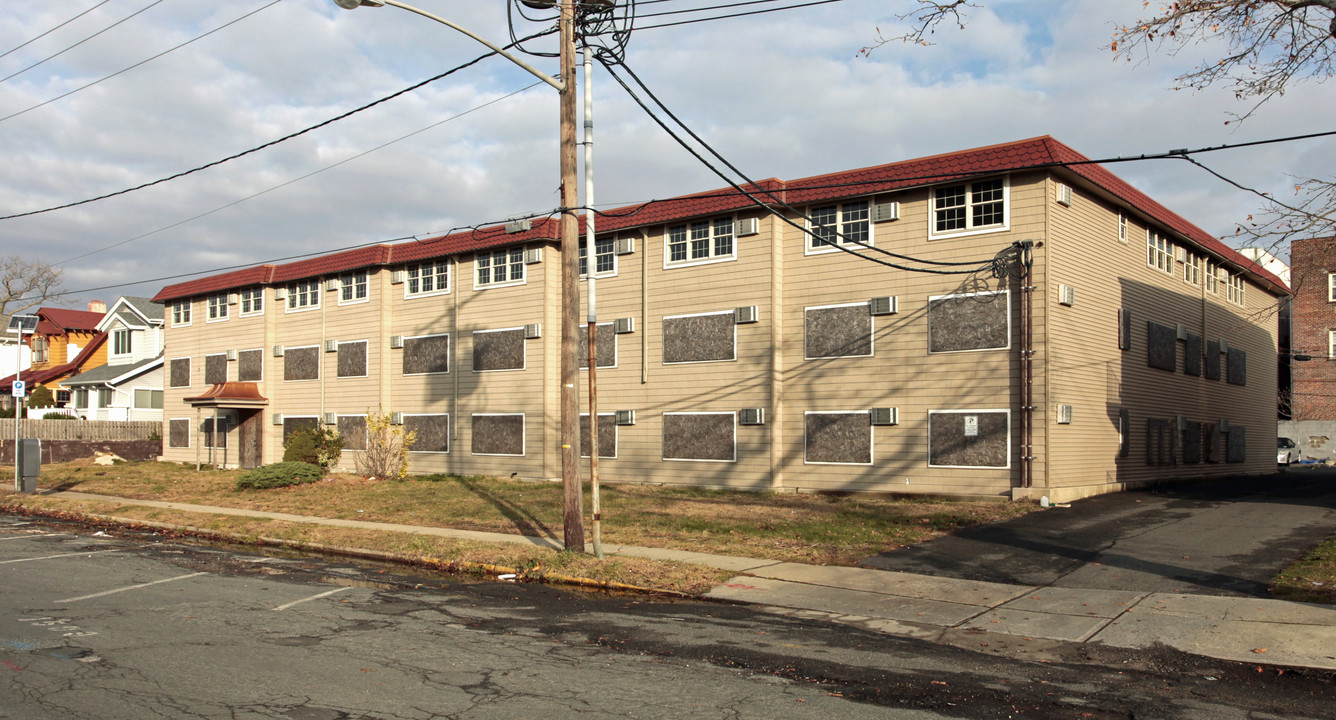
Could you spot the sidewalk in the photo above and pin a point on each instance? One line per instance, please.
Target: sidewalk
(1273, 632)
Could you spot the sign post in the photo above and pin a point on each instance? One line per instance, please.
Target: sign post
(19, 325)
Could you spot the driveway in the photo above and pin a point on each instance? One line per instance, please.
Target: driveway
(1223, 537)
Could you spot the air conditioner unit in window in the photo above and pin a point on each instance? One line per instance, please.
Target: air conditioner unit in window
(533, 332)
(278, 351)
(751, 416)
(745, 314)
(1180, 253)
(884, 416)
(281, 293)
(233, 298)
(626, 417)
(886, 305)
(1066, 295)
(624, 325)
(331, 419)
(398, 276)
(332, 284)
(331, 346)
(396, 418)
(519, 226)
(885, 212)
(625, 246)
(232, 355)
(396, 342)
(1182, 332)
(1064, 195)
(1224, 346)
(278, 418)
(746, 226)
(1182, 423)
(533, 255)
(1223, 424)
(1064, 414)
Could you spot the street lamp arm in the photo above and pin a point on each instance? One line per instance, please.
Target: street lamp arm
(558, 84)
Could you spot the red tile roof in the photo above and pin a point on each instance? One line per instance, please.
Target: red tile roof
(59, 321)
(1032, 154)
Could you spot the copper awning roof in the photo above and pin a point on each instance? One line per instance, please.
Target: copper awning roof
(230, 395)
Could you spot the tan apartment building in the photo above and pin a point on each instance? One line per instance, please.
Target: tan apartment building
(1004, 321)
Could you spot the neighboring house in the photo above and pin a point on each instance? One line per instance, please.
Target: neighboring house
(129, 386)
(1313, 346)
(1028, 325)
(11, 352)
(65, 343)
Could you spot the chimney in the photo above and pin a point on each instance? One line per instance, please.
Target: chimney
(97, 306)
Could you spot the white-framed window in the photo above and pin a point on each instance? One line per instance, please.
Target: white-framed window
(979, 206)
(1158, 253)
(428, 278)
(605, 257)
(217, 308)
(1331, 344)
(1331, 287)
(1192, 268)
(122, 342)
(180, 313)
(352, 287)
(304, 295)
(40, 348)
(1234, 288)
(1212, 278)
(501, 267)
(252, 301)
(700, 436)
(700, 242)
(81, 398)
(104, 397)
(433, 432)
(844, 224)
(148, 399)
(837, 437)
(1122, 226)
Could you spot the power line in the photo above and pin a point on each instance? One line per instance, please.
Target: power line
(81, 42)
(141, 62)
(738, 15)
(48, 32)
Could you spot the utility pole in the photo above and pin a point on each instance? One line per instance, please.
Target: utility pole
(572, 505)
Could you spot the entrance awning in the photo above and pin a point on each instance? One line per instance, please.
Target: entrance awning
(230, 395)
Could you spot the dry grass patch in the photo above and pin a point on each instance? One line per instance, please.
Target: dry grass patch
(1312, 579)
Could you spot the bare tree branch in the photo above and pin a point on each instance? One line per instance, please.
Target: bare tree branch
(25, 284)
(929, 15)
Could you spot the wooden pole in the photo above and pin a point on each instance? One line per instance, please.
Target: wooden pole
(572, 496)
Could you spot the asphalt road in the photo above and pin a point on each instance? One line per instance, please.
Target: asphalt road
(121, 625)
(1226, 537)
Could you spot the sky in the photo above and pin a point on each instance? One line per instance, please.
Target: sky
(108, 101)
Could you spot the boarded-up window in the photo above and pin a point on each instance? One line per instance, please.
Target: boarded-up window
(1212, 366)
(1192, 443)
(838, 438)
(1192, 355)
(1124, 432)
(498, 350)
(1124, 329)
(607, 435)
(352, 359)
(1211, 442)
(1161, 445)
(1236, 444)
(302, 363)
(1161, 346)
(969, 438)
(293, 424)
(699, 338)
(605, 345)
(178, 433)
(837, 331)
(700, 436)
(352, 428)
(427, 354)
(973, 321)
(1236, 367)
(432, 431)
(250, 365)
(180, 373)
(215, 369)
(498, 434)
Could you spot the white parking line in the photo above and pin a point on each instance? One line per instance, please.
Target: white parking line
(313, 597)
(36, 535)
(131, 587)
(53, 557)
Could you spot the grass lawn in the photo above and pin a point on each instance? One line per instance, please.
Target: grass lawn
(816, 529)
(1312, 579)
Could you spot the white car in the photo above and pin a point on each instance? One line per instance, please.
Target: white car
(1287, 451)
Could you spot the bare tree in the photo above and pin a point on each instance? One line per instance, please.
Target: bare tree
(1270, 45)
(26, 284)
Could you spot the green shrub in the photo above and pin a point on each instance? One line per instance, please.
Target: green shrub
(279, 475)
(41, 397)
(317, 446)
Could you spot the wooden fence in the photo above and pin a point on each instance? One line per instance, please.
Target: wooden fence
(94, 430)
